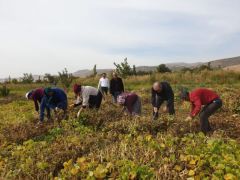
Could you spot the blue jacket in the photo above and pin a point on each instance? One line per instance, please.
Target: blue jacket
(59, 99)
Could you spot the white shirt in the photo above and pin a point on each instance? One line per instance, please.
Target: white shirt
(86, 92)
(103, 82)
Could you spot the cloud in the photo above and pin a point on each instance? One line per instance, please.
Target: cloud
(58, 33)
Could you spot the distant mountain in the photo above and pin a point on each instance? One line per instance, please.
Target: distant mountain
(223, 63)
(235, 68)
(226, 64)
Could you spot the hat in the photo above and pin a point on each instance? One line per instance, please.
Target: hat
(29, 94)
(77, 88)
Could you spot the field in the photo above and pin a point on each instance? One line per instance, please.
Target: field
(109, 145)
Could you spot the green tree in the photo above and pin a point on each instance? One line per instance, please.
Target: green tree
(65, 78)
(4, 91)
(50, 78)
(123, 69)
(14, 81)
(134, 70)
(162, 68)
(27, 78)
(94, 70)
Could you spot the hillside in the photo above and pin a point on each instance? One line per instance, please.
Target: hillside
(223, 63)
(235, 68)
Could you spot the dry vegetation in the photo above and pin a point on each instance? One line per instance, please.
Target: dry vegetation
(109, 145)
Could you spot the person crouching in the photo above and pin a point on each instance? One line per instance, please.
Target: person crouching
(91, 97)
(131, 103)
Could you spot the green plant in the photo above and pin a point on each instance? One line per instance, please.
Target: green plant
(4, 91)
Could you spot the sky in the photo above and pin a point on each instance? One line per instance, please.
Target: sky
(45, 36)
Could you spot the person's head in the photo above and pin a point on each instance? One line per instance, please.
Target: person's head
(121, 99)
(157, 87)
(114, 74)
(77, 89)
(184, 95)
(29, 94)
(48, 92)
(104, 75)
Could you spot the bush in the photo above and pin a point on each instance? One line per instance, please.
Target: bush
(4, 91)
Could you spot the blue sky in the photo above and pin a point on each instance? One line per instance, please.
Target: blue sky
(39, 36)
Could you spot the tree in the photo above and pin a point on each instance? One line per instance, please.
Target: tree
(27, 78)
(65, 78)
(14, 81)
(50, 79)
(39, 80)
(134, 70)
(94, 70)
(124, 69)
(162, 68)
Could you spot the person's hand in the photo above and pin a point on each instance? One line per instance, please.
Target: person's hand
(79, 113)
(189, 118)
(155, 109)
(165, 109)
(72, 105)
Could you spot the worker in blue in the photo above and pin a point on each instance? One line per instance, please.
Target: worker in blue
(54, 98)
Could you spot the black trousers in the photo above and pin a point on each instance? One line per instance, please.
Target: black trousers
(206, 112)
(95, 101)
(104, 90)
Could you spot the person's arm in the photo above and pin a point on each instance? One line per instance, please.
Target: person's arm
(99, 84)
(42, 108)
(111, 87)
(85, 98)
(36, 105)
(153, 98)
(122, 85)
(196, 107)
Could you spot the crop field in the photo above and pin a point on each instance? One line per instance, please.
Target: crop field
(109, 145)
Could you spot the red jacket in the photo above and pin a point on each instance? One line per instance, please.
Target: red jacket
(200, 97)
(37, 97)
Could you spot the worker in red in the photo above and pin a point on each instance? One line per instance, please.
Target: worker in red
(131, 103)
(199, 98)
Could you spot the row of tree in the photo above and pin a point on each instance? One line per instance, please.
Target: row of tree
(63, 77)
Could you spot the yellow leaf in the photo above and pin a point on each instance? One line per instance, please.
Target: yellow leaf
(191, 173)
(178, 168)
(100, 172)
(74, 171)
(230, 177)
(81, 160)
(193, 162)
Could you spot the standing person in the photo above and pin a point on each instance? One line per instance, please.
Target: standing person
(54, 98)
(116, 86)
(202, 97)
(131, 102)
(103, 84)
(91, 97)
(162, 91)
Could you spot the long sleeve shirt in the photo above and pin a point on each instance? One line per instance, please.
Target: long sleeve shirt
(86, 92)
(131, 98)
(103, 82)
(200, 97)
(37, 97)
(58, 99)
(165, 95)
(116, 85)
